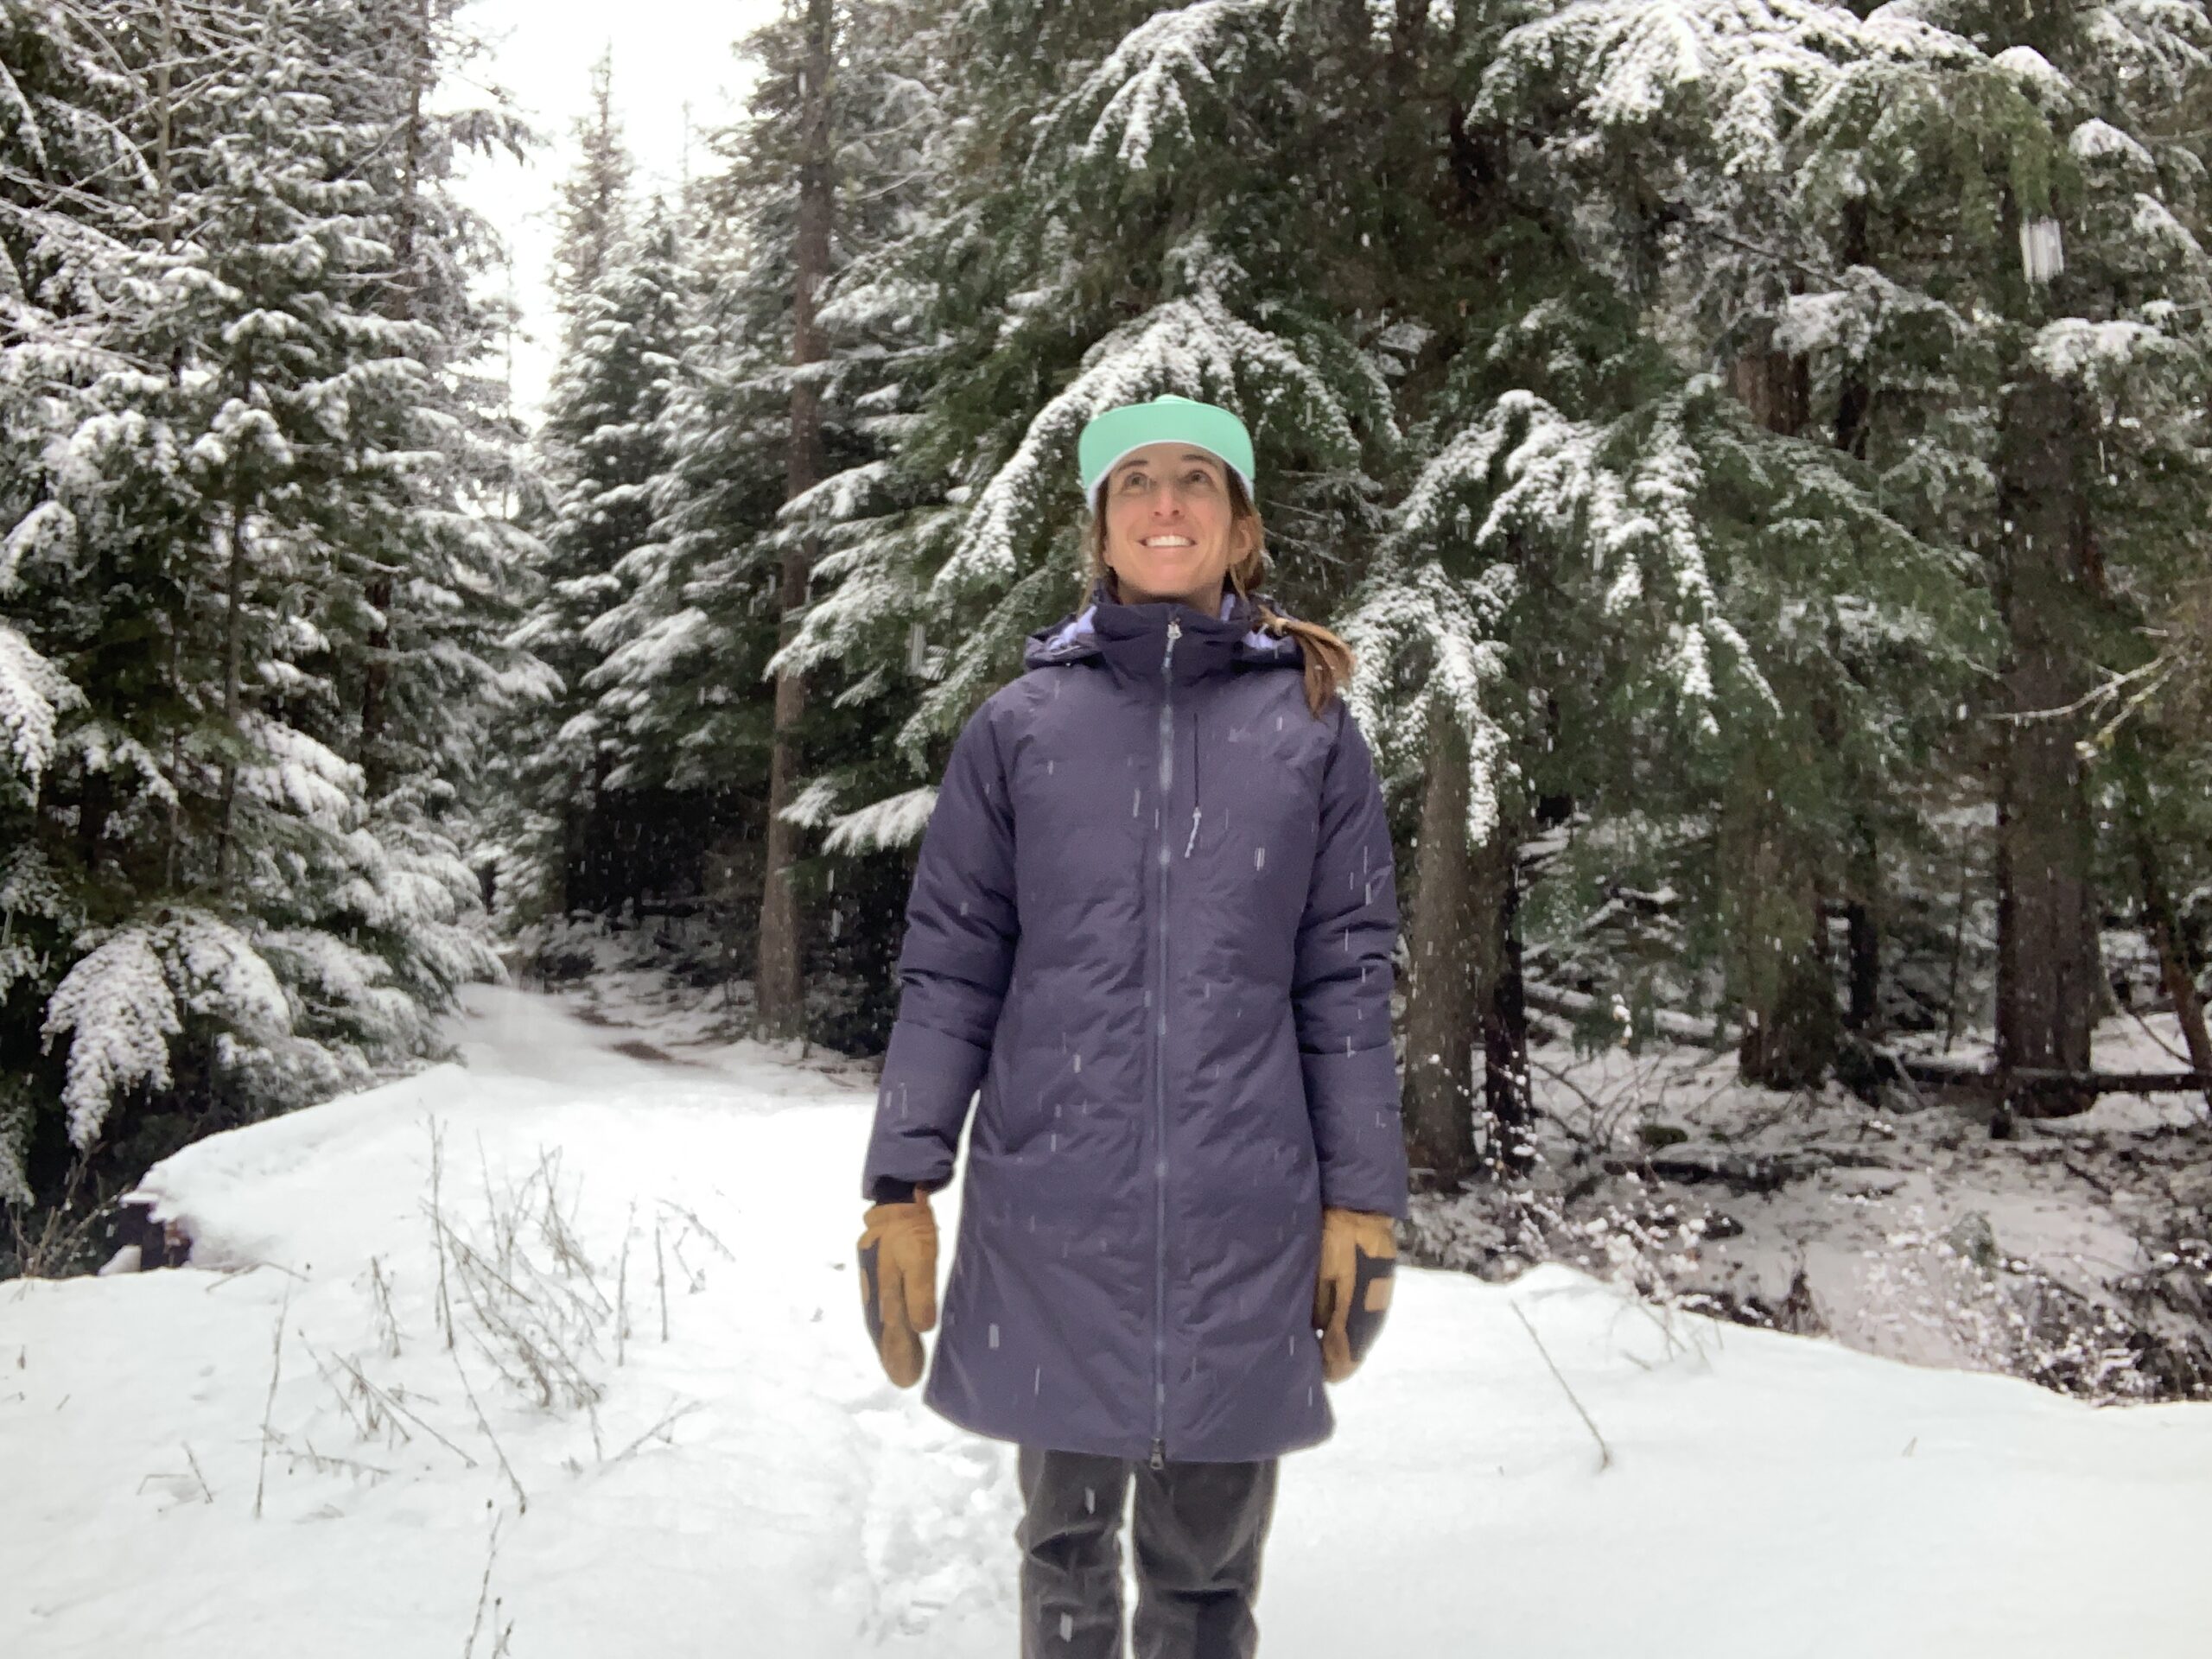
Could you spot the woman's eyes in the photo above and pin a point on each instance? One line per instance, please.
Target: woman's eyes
(1197, 475)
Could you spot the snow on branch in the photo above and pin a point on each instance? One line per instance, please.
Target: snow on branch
(48, 530)
(815, 805)
(122, 1003)
(1745, 73)
(841, 496)
(32, 693)
(1139, 91)
(293, 773)
(1624, 495)
(897, 821)
(1451, 626)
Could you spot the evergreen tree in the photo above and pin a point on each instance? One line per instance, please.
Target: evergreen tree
(235, 885)
(692, 676)
(601, 447)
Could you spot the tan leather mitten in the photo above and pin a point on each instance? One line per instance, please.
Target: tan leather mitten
(898, 1283)
(1359, 1252)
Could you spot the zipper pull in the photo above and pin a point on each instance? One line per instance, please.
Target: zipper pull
(1157, 1460)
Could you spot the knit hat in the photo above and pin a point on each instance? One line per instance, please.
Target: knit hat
(1111, 434)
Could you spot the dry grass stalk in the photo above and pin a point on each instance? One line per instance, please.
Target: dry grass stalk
(269, 1406)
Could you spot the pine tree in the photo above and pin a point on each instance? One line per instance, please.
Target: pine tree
(602, 448)
(237, 885)
(692, 677)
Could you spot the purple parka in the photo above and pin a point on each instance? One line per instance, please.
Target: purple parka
(1152, 917)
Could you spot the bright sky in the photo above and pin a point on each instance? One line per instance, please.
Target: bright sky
(667, 53)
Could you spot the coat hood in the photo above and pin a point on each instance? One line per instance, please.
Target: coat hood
(1102, 624)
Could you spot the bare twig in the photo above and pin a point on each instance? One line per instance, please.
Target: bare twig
(269, 1406)
(391, 1403)
(699, 1226)
(660, 1270)
(622, 1286)
(362, 1431)
(206, 1493)
(385, 1316)
(484, 1589)
(2148, 1031)
(665, 1422)
(323, 1462)
(1605, 1451)
(522, 1498)
(438, 1226)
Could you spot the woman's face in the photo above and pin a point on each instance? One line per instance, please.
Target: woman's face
(1168, 525)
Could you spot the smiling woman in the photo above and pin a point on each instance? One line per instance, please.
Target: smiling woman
(1166, 987)
(1174, 469)
(1170, 530)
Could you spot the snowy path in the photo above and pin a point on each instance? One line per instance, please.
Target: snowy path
(1770, 1495)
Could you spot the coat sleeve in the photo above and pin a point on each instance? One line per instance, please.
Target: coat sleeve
(953, 964)
(1341, 988)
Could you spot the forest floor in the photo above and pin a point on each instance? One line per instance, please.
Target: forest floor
(2073, 1253)
(660, 1431)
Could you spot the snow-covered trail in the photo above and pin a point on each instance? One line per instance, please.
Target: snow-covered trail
(1769, 1496)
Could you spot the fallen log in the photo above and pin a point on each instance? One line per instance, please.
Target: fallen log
(1573, 1004)
(2023, 1079)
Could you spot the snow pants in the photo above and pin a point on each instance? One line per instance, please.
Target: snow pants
(1199, 1531)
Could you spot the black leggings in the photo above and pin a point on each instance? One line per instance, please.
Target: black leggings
(1199, 1531)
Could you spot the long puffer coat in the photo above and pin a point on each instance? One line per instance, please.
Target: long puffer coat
(1153, 918)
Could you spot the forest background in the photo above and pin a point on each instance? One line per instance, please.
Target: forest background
(1757, 451)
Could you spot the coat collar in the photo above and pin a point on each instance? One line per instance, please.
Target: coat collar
(1131, 640)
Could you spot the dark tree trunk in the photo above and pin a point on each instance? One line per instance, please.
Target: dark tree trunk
(1444, 1020)
(1778, 931)
(2049, 984)
(1854, 397)
(2161, 925)
(1862, 933)
(1495, 911)
(779, 988)
(1775, 386)
(1786, 980)
(233, 709)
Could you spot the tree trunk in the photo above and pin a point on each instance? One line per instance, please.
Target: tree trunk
(1854, 404)
(1778, 937)
(2049, 984)
(233, 637)
(1778, 928)
(1444, 1017)
(1495, 913)
(778, 988)
(2161, 925)
(1862, 911)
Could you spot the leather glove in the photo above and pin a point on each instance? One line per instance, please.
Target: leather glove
(1359, 1253)
(898, 1283)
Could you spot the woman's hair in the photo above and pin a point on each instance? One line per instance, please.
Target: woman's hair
(1328, 659)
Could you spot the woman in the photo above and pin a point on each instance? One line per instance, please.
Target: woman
(1153, 918)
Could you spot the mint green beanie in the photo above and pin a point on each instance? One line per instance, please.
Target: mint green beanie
(1111, 433)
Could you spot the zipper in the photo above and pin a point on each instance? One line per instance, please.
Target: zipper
(1159, 1059)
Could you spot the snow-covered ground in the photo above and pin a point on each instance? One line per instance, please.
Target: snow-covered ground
(647, 1258)
(1904, 1232)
